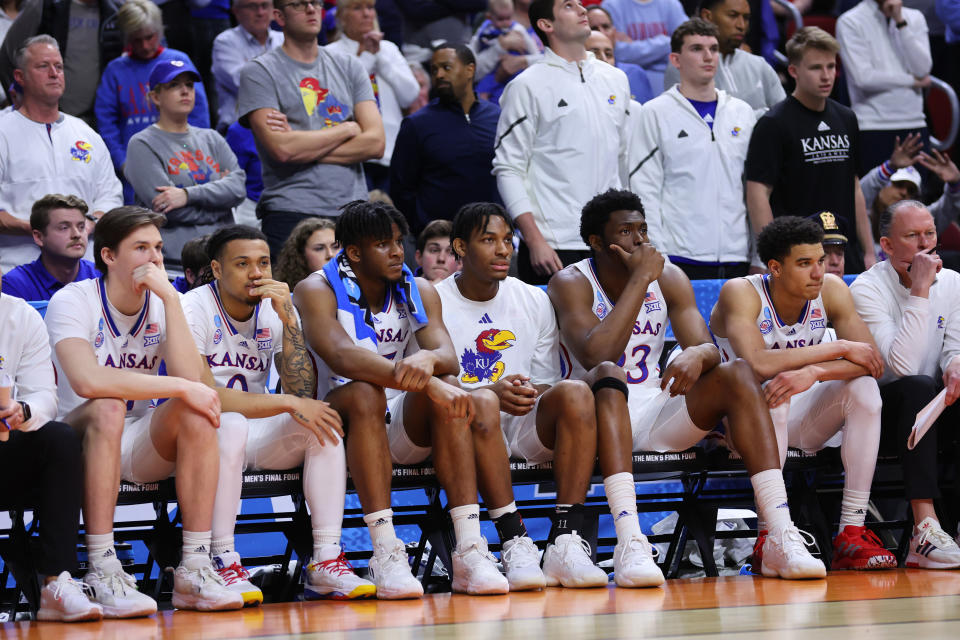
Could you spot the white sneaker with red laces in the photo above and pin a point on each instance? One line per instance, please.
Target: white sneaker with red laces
(236, 578)
(335, 580)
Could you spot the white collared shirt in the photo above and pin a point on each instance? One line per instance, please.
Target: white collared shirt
(232, 49)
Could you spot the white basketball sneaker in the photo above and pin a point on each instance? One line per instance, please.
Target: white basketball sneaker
(228, 567)
(335, 580)
(116, 591)
(390, 572)
(932, 548)
(475, 570)
(197, 586)
(521, 563)
(67, 600)
(633, 563)
(785, 555)
(567, 562)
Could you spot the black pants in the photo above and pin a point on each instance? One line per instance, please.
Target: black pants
(902, 399)
(44, 469)
(525, 270)
(714, 271)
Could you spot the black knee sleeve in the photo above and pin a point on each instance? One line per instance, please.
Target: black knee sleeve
(611, 383)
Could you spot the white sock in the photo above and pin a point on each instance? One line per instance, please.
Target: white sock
(466, 522)
(622, 498)
(770, 494)
(196, 549)
(853, 508)
(324, 487)
(380, 525)
(99, 549)
(232, 443)
(502, 511)
(326, 544)
(220, 546)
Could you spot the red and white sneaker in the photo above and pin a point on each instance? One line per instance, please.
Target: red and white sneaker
(335, 579)
(236, 578)
(932, 548)
(860, 548)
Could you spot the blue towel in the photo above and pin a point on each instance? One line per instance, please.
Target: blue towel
(350, 297)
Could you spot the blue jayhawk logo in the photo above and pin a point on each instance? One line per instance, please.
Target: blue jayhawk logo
(1, 362)
(485, 363)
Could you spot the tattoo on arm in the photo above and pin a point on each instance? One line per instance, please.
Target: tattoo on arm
(296, 368)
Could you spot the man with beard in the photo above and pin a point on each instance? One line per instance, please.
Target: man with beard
(442, 157)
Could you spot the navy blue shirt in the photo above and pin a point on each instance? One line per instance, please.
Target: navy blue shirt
(442, 161)
(33, 282)
(244, 147)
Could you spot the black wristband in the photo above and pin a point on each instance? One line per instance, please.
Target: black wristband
(901, 24)
(26, 410)
(611, 383)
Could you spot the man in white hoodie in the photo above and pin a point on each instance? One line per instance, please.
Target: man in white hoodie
(886, 55)
(686, 162)
(561, 139)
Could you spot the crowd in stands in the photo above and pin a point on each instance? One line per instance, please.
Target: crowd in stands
(306, 168)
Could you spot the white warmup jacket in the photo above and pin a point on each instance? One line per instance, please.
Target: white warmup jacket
(561, 140)
(690, 178)
(881, 63)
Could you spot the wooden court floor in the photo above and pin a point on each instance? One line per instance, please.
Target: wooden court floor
(901, 604)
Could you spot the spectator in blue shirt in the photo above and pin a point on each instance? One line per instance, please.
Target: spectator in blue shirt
(122, 106)
(59, 225)
(444, 151)
(603, 48)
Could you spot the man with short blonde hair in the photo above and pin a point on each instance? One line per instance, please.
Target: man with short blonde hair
(804, 152)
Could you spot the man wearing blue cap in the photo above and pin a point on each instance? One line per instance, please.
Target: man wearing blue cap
(187, 173)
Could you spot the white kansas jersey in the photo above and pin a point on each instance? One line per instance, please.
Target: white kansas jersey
(514, 333)
(808, 330)
(81, 310)
(394, 329)
(238, 353)
(640, 360)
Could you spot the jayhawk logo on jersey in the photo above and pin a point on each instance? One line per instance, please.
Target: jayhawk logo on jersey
(485, 363)
(81, 151)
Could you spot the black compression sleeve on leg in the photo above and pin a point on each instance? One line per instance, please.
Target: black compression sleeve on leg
(611, 383)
